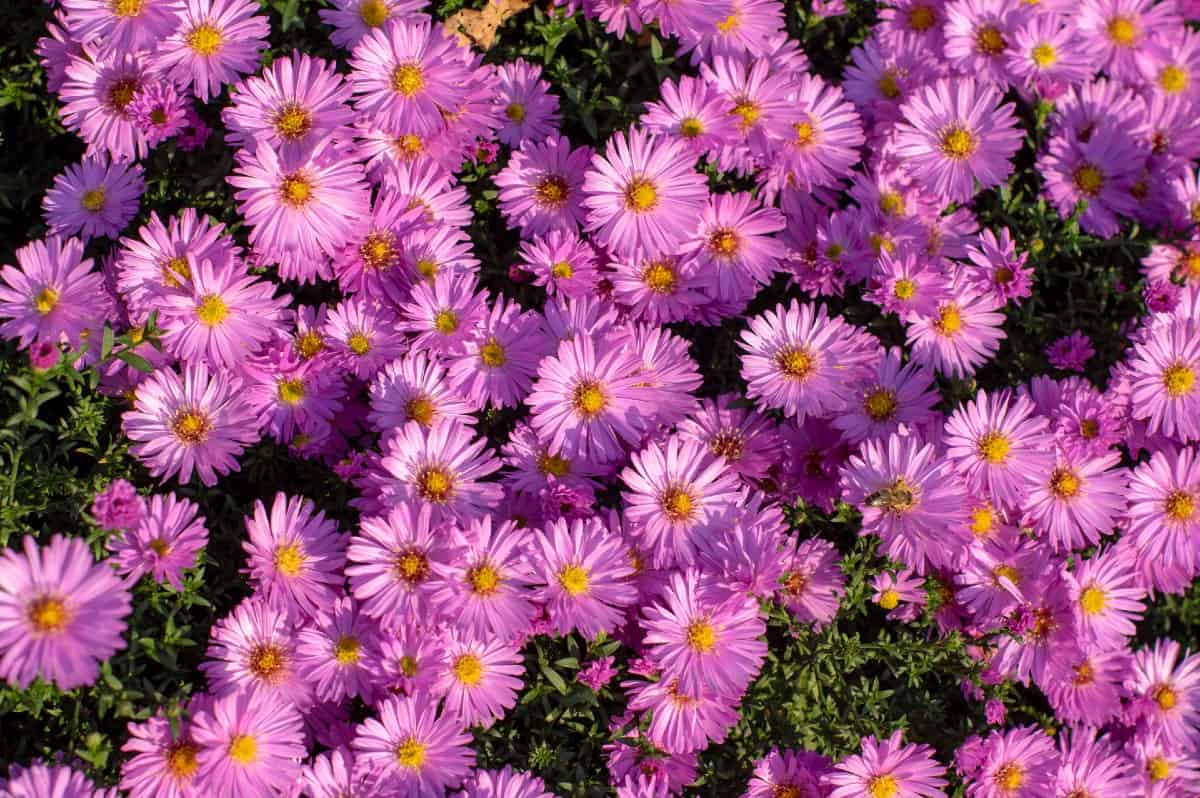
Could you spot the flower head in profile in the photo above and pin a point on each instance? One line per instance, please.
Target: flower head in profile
(61, 613)
(248, 744)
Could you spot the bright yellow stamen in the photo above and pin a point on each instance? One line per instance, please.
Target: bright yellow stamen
(994, 447)
(421, 410)
(889, 599)
(267, 662)
(309, 344)
(1180, 506)
(468, 669)
(949, 321)
(127, 8)
(1158, 769)
(748, 112)
(1173, 80)
(1165, 697)
(45, 301)
(1088, 179)
(159, 547)
(1179, 380)
(882, 786)
(243, 749)
(492, 354)
(410, 754)
(640, 195)
(412, 566)
(515, 112)
(574, 580)
(1010, 777)
(48, 615)
(904, 289)
(989, 40)
(1122, 31)
(551, 191)
(181, 760)
(691, 127)
(806, 135)
(880, 404)
(1007, 572)
(359, 343)
(445, 322)
(677, 504)
(660, 278)
(295, 190)
(483, 579)
(724, 243)
(204, 40)
(289, 559)
(562, 270)
(93, 200)
(407, 79)
(191, 427)
(701, 636)
(982, 519)
(796, 362)
(120, 93)
(588, 400)
(958, 143)
(1044, 55)
(373, 13)
(728, 24)
(435, 484)
(346, 650)
(1064, 483)
(1092, 600)
(212, 310)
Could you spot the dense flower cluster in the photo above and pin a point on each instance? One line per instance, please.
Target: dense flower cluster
(1040, 517)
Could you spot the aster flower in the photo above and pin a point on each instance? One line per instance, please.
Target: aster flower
(414, 749)
(909, 284)
(50, 294)
(996, 268)
(1164, 507)
(415, 387)
(890, 768)
(215, 42)
(979, 37)
(747, 440)
(584, 573)
(362, 336)
(118, 506)
(96, 96)
(337, 652)
(797, 770)
(58, 781)
(597, 673)
(897, 398)
(1107, 596)
(406, 73)
(530, 110)
(392, 559)
(163, 761)
(692, 112)
(479, 680)
(425, 185)
(249, 744)
(1076, 500)
(440, 466)
(642, 194)
(681, 723)
(333, 774)
(1165, 687)
(295, 555)
(708, 641)
(160, 111)
(763, 108)
(163, 543)
(505, 783)
(584, 402)
(1047, 54)
(562, 263)
(60, 613)
(351, 20)
(445, 313)
(300, 207)
(1164, 380)
(803, 361)
(486, 585)
(961, 335)
(955, 133)
(1115, 30)
(190, 422)
(254, 648)
(825, 139)
(679, 493)
(1099, 171)
(659, 289)
(1085, 684)
(1018, 763)
(94, 198)
(296, 396)
(541, 188)
(735, 245)
(120, 27)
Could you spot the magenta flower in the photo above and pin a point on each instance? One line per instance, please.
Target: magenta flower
(479, 680)
(160, 111)
(353, 19)
(562, 263)
(1164, 508)
(415, 387)
(51, 294)
(694, 113)
(1165, 688)
(1099, 171)
(96, 96)
(897, 398)
(248, 744)
(1076, 500)
(584, 572)
(413, 749)
(530, 110)
(163, 543)
(541, 188)
(642, 194)
(597, 673)
(118, 506)
(337, 653)
(486, 585)
(392, 561)
(890, 768)
(163, 761)
(59, 781)
(94, 198)
(1019, 763)
(442, 467)
(362, 336)
(735, 245)
(824, 142)
(61, 613)
(198, 422)
(682, 723)
(253, 649)
(444, 313)
(1086, 684)
(216, 42)
(1164, 380)
(295, 555)
(115, 28)
(505, 783)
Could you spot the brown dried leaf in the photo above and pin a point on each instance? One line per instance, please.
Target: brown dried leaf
(479, 27)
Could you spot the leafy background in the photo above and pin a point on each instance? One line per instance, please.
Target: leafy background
(60, 440)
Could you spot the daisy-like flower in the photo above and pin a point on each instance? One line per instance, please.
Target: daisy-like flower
(428, 251)
(1076, 500)
(584, 571)
(248, 744)
(413, 749)
(536, 467)
(735, 245)
(994, 441)
(902, 594)
(979, 37)
(1164, 507)
(763, 108)
(441, 467)
(1047, 53)
(506, 783)
(415, 387)
(337, 652)
(585, 401)
(486, 586)
(1085, 684)
(61, 613)
(530, 110)
(351, 20)
(803, 361)
(909, 498)
(59, 781)
(362, 336)
(1114, 31)
(302, 206)
(889, 768)
(825, 140)
(799, 771)
(899, 397)
(190, 422)
(163, 761)
(1093, 766)
(163, 543)
(332, 774)
(445, 313)
(227, 316)
(94, 198)
(693, 112)
(371, 263)
(541, 188)
(679, 494)
(405, 74)
(642, 194)
(50, 294)
(160, 110)
(216, 41)
(295, 103)
(253, 648)
(961, 335)
(425, 185)
(659, 289)
(295, 555)
(710, 642)
(479, 680)
(1108, 597)
(1166, 690)
(996, 268)
(96, 96)
(908, 284)
(296, 396)
(955, 132)
(562, 263)
(1018, 763)
(1100, 171)
(392, 561)
(125, 26)
(681, 723)
(746, 439)
(501, 358)
(1166, 380)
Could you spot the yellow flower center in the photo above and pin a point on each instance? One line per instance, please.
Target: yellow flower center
(1088, 179)
(701, 636)
(127, 8)
(1010, 777)
(1179, 380)
(291, 392)
(407, 79)
(588, 400)
(562, 270)
(181, 760)
(882, 786)
(889, 599)
(45, 301)
(212, 310)
(120, 93)
(292, 122)
(958, 143)
(1165, 697)
(724, 243)
(408, 665)
(574, 580)
(445, 322)
(640, 195)
(949, 321)
(483, 579)
(159, 547)
(243, 749)
(880, 404)
(921, 18)
(1084, 674)
(295, 190)
(990, 41)
(677, 504)
(267, 662)
(659, 277)
(373, 13)
(1044, 55)
(346, 650)
(904, 289)
(796, 362)
(1064, 483)
(982, 519)
(359, 343)
(204, 40)
(1158, 769)
(435, 484)
(994, 447)
(410, 754)
(289, 559)
(309, 344)
(897, 498)
(515, 112)
(1092, 600)
(48, 615)
(1180, 506)
(492, 354)
(93, 200)
(553, 465)
(427, 268)
(888, 85)
(1007, 572)
(412, 566)
(378, 251)
(191, 427)
(806, 135)
(691, 127)
(421, 410)
(1122, 31)
(729, 24)
(468, 669)
(175, 268)
(748, 112)
(551, 191)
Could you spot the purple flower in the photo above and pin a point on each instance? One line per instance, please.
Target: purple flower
(118, 506)
(597, 673)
